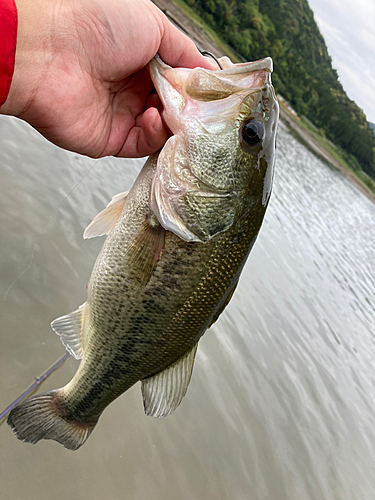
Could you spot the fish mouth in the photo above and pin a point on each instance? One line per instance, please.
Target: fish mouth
(176, 86)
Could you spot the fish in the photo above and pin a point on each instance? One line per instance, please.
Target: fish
(175, 248)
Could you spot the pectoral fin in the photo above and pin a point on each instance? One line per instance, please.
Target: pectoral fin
(70, 330)
(107, 218)
(146, 249)
(163, 392)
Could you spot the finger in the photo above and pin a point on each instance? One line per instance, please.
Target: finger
(146, 137)
(178, 50)
(155, 133)
(153, 101)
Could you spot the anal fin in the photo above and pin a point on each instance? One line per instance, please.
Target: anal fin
(70, 330)
(163, 392)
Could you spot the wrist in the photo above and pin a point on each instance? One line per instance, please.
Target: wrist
(33, 49)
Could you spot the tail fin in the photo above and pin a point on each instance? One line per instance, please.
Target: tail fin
(44, 417)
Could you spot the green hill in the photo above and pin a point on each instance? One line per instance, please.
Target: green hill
(286, 30)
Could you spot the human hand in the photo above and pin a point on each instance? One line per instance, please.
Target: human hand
(81, 76)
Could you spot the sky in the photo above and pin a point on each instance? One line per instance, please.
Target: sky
(348, 27)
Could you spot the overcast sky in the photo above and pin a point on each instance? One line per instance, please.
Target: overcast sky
(348, 27)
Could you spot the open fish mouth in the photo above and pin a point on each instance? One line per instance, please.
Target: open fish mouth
(178, 87)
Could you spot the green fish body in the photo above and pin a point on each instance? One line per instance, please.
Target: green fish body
(176, 245)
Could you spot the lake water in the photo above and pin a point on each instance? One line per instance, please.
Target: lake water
(282, 399)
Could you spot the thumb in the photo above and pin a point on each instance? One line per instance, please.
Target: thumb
(178, 50)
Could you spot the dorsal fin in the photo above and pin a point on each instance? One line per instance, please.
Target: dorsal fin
(107, 218)
(163, 392)
(70, 330)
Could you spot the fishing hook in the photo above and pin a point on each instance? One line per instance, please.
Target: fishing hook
(209, 54)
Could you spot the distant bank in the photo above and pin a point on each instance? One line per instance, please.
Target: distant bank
(206, 39)
(311, 143)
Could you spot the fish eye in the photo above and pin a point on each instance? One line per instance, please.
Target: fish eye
(252, 133)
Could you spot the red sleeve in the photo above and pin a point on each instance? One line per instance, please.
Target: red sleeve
(8, 40)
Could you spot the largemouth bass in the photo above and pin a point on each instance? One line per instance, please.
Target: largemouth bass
(176, 245)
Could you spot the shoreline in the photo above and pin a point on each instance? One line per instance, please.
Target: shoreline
(312, 144)
(204, 41)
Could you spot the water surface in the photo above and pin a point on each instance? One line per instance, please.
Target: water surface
(281, 402)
